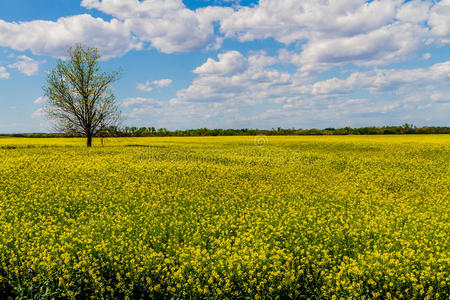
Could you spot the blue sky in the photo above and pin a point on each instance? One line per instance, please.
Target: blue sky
(235, 64)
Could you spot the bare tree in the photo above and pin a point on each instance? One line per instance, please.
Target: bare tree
(79, 97)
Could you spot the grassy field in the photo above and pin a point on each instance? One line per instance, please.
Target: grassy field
(226, 217)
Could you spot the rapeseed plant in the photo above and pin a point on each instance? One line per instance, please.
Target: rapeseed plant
(295, 217)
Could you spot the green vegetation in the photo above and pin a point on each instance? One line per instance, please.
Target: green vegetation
(161, 132)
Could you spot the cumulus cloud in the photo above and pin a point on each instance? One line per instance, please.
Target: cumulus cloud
(335, 32)
(229, 63)
(439, 20)
(385, 45)
(290, 20)
(162, 82)
(386, 80)
(133, 101)
(296, 101)
(340, 32)
(26, 65)
(413, 11)
(234, 76)
(143, 106)
(167, 24)
(352, 29)
(113, 38)
(295, 98)
(3, 73)
(147, 86)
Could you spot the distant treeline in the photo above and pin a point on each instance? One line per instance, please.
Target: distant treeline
(152, 131)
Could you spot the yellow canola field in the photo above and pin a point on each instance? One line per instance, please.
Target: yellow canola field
(326, 217)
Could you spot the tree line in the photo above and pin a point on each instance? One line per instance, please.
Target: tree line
(114, 131)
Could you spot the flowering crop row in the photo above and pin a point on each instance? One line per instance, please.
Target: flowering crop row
(294, 217)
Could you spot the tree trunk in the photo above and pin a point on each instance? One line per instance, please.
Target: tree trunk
(89, 141)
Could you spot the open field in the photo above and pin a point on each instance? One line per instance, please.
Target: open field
(225, 217)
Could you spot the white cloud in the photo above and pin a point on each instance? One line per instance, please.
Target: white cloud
(143, 106)
(113, 38)
(26, 65)
(234, 76)
(356, 28)
(385, 80)
(145, 87)
(439, 20)
(385, 45)
(413, 11)
(264, 94)
(427, 55)
(229, 63)
(290, 20)
(40, 100)
(440, 96)
(162, 82)
(3, 73)
(336, 32)
(167, 24)
(140, 101)
(340, 32)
